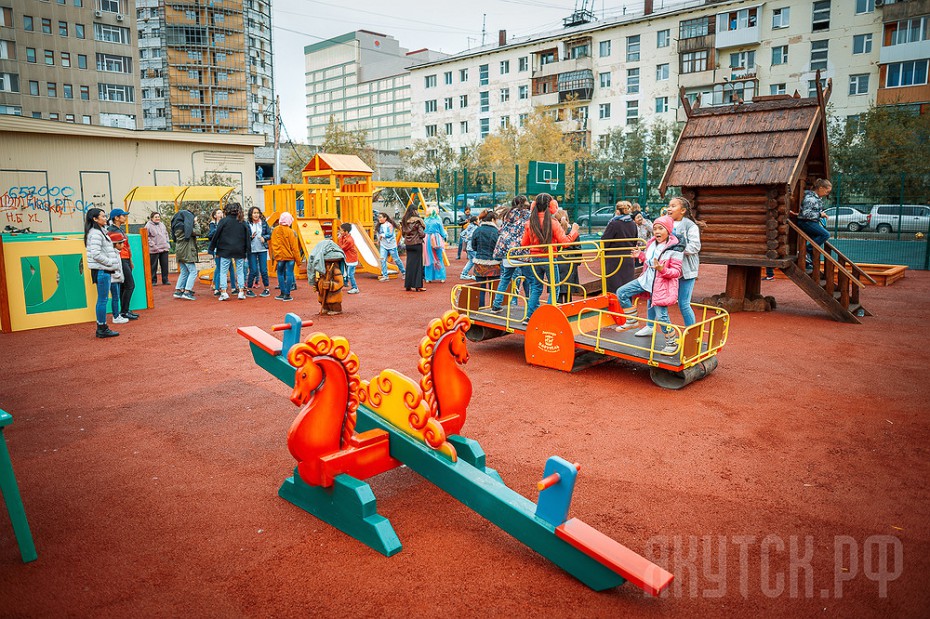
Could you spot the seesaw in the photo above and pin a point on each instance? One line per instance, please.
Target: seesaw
(350, 429)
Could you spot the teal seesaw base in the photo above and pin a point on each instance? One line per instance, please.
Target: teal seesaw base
(14, 502)
(349, 506)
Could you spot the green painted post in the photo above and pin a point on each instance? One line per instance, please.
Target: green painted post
(516, 179)
(901, 205)
(644, 186)
(590, 202)
(617, 198)
(439, 188)
(455, 192)
(575, 187)
(464, 188)
(493, 189)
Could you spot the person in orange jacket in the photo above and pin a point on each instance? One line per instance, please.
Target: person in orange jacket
(285, 251)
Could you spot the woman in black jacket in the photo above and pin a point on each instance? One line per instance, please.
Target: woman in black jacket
(231, 243)
(483, 241)
(617, 258)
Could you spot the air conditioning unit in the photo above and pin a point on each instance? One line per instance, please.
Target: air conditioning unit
(879, 2)
(98, 13)
(119, 17)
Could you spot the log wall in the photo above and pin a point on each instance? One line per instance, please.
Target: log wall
(742, 222)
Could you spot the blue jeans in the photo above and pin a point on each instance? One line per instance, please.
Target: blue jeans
(817, 232)
(350, 276)
(216, 272)
(508, 274)
(536, 287)
(114, 296)
(286, 276)
(258, 265)
(103, 291)
(627, 291)
(469, 264)
(240, 271)
(187, 277)
(384, 256)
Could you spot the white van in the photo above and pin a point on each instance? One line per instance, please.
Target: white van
(886, 218)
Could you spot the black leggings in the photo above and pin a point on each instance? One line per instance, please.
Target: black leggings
(156, 259)
(129, 284)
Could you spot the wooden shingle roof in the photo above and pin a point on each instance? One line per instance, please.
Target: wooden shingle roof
(759, 143)
(337, 163)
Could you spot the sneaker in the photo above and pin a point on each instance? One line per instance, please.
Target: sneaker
(383, 278)
(332, 313)
(130, 315)
(224, 296)
(234, 291)
(496, 310)
(671, 347)
(353, 291)
(177, 294)
(242, 295)
(287, 298)
(119, 320)
(768, 278)
(280, 297)
(265, 293)
(188, 296)
(644, 332)
(216, 293)
(250, 294)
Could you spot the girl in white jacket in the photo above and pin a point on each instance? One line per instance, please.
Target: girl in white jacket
(103, 260)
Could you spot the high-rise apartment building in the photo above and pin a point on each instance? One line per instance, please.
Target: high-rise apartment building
(70, 60)
(206, 65)
(905, 53)
(361, 81)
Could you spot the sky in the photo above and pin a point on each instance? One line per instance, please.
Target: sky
(441, 25)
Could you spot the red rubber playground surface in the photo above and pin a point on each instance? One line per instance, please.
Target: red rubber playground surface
(791, 482)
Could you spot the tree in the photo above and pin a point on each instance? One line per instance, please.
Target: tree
(296, 157)
(881, 156)
(423, 159)
(340, 141)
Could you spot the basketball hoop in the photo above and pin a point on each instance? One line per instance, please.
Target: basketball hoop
(553, 186)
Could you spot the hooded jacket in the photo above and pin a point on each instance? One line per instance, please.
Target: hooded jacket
(185, 241)
(158, 237)
(231, 239)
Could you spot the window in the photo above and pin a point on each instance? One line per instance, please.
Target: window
(447, 103)
(79, 31)
(603, 110)
(447, 78)
(522, 119)
(431, 106)
(604, 79)
(85, 120)
(430, 81)
(505, 67)
(862, 43)
(483, 75)
(777, 89)
(47, 26)
(85, 93)
(66, 59)
(505, 122)
(780, 18)
(463, 127)
(692, 28)
(632, 81)
(780, 54)
(632, 48)
(632, 112)
(819, 54)
(27, 22)
(118, 92)
(110, 6)
(111, 34)
(911, 73)
(463, 75)
(34, 88)
(430, 131)
(859, 84)
(909, 31)
(812, 87)
(484, 101)
(580, 51)
(694, 62)
(505, 95)
(546, 58)
(604, 48)
(49, 57)
(523, 63)
(120, 64)
(663, 38)
(864, 6)
(523, 92)
(485, 127)
(737, 20)
(51, 88)
(448, 128)
(743, 60)
(821, 19)
(82, 61)
(31, 55)
(661, 72)
(463, 100)
(67, 91)
(63, 28)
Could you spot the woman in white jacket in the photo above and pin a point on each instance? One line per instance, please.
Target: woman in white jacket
(102, 260)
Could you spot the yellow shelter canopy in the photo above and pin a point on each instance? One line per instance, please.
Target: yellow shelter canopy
(177, 194)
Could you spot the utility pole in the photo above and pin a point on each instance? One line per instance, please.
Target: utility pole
(277, 140)
(484, 28)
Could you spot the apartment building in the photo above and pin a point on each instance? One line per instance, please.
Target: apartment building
(597, 76)
(360, 80)
(70, 60)
(905, 54)
(206, 65)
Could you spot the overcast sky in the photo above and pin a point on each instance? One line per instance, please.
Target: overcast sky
(444, 25)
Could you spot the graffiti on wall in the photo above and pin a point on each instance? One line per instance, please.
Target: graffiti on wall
(26, 203)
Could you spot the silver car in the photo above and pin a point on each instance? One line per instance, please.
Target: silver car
(846, 217)
(888, 218)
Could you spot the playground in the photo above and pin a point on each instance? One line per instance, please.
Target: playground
(792, 481)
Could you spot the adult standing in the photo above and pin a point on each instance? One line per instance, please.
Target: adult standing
(102, 260)
(387, 241)
(809, 215)
(483, 242)
(511, 234)
(118, 218)
(464, 222)
(259, 235)
(619, 239)
(215, 219)
(413, 229)
(434, 247)
(158, 247)
(643, 227)
(183, 226)
(231, 243)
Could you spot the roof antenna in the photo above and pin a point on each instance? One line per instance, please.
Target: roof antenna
(484, 29)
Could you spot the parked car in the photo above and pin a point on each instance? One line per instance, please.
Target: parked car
(846, 217)
(598, 218)
(887, 218)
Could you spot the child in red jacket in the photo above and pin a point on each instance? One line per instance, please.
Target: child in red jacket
(347, 244)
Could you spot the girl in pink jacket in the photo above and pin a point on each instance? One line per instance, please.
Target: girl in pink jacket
(662, 269)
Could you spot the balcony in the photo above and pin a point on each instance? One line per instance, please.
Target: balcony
(749, 35)
(903, 52)
(695, 43)
(546, 99)
(744, 73)
(550, 68)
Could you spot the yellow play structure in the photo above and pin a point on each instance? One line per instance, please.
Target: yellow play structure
(336, 189)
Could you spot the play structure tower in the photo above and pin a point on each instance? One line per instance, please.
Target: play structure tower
(744, 167)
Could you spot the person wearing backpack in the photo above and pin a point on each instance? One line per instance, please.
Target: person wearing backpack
(185, 251)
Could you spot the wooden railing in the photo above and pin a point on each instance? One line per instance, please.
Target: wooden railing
(833, 277)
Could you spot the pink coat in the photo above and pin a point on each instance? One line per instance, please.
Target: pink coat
(665, 287)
